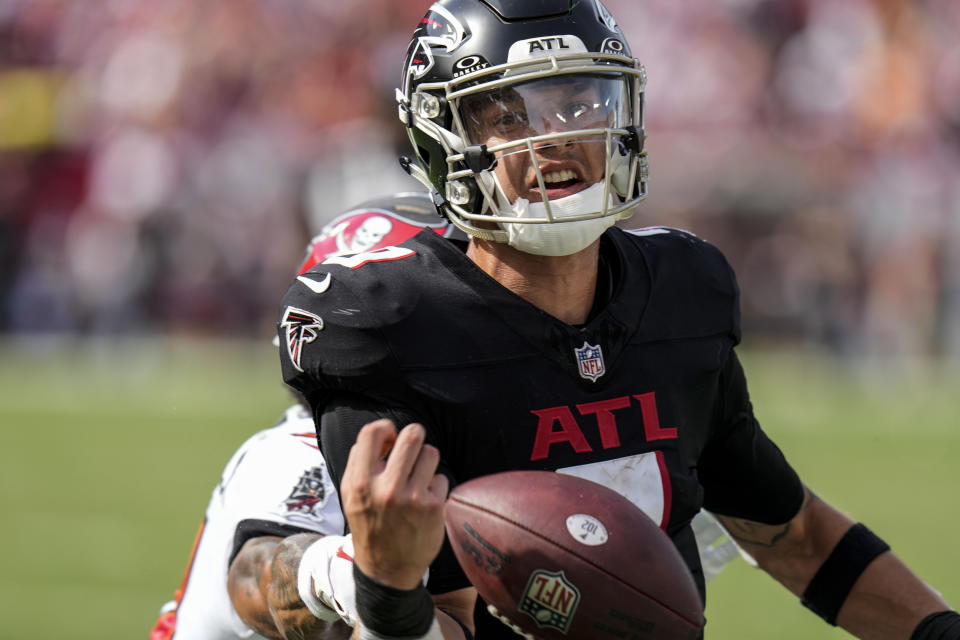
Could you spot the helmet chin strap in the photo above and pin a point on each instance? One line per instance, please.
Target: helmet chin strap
(558, 238)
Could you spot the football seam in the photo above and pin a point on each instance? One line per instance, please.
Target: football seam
(570, 550)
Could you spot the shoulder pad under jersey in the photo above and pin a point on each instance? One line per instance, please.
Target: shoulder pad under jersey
(693, 288)
(331, 316)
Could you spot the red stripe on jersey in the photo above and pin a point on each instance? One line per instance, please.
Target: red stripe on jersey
(667, 490)
(166, 624)
(178, 596)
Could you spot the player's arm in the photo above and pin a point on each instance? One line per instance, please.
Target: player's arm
(262, 583)
(450, 610)
(393, 499)
(454, 611)
(341, 420)
(841, 571)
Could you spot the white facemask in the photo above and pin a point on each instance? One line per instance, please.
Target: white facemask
(559, 238)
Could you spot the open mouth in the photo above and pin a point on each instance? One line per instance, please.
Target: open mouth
(559, 183)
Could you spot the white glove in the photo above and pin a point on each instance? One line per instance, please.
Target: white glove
(325, 579)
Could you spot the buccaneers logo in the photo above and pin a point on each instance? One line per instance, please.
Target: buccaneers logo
(364, 230)
(309, 493)
(300, 327)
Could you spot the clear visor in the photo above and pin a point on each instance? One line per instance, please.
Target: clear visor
(551, 136)
(545, 106)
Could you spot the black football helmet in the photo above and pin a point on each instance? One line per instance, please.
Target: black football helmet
(473, 59)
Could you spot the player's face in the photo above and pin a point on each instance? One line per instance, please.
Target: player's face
(541, 107)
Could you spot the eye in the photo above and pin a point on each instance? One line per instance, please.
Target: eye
(580, 109)
(509, 119)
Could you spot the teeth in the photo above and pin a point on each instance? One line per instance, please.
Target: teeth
(563, 175)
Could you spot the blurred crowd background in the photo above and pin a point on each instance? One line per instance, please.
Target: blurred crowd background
(164, 162)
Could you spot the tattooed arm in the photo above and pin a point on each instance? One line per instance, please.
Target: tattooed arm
(887, 601)
(263, 589)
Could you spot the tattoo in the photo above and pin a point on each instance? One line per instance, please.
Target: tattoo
(758, 534)
(263, 589)
(243, 573)
(244, 584)
(284, 577)
(754, 533)
(808, 500)
(294, 621)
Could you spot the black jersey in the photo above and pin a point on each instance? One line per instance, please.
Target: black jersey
(647, 397)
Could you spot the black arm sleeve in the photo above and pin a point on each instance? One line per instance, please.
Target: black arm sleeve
(340, 420)
(743, 473)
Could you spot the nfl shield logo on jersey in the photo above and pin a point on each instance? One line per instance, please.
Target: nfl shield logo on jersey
(590, 361)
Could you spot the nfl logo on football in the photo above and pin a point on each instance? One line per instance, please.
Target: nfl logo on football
(590, 361)
(550, 599)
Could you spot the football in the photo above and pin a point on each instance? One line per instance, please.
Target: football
(560, 557)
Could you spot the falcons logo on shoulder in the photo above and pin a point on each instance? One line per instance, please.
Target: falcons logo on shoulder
(300, 327)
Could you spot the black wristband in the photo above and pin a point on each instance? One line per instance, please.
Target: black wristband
(392, 613)
(831, 585)
(944, 625)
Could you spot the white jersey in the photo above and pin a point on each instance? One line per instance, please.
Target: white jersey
(275, 484)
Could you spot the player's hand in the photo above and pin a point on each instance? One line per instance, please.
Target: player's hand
(393, 500)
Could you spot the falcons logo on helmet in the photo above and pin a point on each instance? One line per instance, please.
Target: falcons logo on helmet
(300, 328)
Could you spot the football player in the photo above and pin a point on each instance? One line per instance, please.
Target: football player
(557, 341)
(275, 497)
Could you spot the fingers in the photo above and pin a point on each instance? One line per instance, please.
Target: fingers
(410, 461)
(424, 472)
(416, 465)
(372, 445)
(406, 451)
(440, 486)
(393, 501)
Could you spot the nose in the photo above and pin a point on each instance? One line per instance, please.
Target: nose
(556, 122)
(555, 145)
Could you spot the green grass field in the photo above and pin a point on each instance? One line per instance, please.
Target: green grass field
(110, 450)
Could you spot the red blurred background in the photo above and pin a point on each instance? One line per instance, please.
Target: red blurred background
(163, 163)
